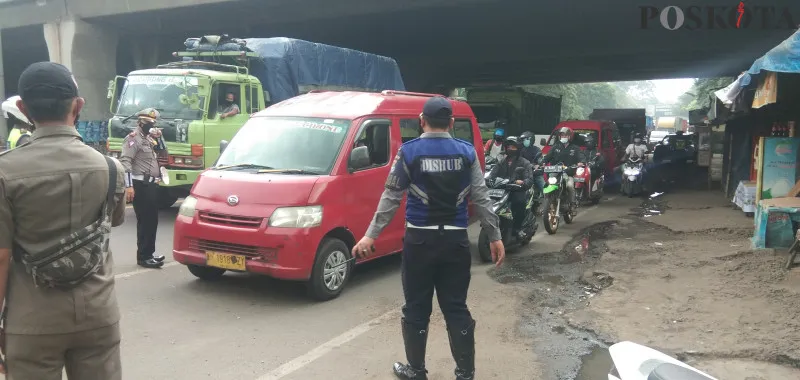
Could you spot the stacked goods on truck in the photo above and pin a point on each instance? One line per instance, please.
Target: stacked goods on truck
(628, 121)
(520, 110)
(190, 93)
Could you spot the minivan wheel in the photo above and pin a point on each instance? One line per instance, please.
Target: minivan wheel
(331, 270)
(206, 273)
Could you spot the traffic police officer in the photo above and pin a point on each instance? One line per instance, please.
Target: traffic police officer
(441, 175)
(142, 178)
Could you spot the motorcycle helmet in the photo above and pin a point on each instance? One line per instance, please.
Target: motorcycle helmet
(511, 141)
(564, 135)
(499, 134)
(526, 138)
(590, 143)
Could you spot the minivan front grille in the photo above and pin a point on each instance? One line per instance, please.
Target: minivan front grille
(230, 220)
(202, 245)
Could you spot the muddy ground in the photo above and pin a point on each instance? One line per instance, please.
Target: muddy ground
(677, 274)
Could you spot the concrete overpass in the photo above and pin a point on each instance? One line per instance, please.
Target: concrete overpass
(437, 42)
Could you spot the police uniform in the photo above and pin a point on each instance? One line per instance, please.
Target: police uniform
(142, 172)
(50, 188)
(441, 174)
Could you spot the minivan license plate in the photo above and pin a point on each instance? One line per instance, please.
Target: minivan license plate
(225, 261)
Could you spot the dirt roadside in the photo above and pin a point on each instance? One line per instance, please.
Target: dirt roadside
(679, 275)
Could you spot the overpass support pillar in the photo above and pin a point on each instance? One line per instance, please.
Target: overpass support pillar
(3, 128)
(90, 52)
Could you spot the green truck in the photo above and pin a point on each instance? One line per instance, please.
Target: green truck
(190, 93)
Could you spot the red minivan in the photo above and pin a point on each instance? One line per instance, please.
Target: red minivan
(298, 185)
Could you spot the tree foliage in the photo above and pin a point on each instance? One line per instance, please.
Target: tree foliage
(580, 99)
(699, 96)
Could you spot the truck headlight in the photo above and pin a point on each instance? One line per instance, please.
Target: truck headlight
(187, 207)
(296, 217)
(552, 180)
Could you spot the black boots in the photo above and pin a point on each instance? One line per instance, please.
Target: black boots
(416, 340)
(462, 345)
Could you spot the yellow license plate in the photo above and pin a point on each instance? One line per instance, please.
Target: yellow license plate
(225, 261)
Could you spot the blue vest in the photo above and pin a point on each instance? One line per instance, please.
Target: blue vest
(440, 176)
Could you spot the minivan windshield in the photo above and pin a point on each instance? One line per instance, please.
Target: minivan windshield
(287, 143)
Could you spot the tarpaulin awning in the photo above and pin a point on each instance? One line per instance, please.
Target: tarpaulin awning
(784, 58)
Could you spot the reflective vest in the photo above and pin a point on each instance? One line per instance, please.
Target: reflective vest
(14, 136)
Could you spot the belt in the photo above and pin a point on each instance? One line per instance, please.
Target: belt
(437, 227)
(146, 178)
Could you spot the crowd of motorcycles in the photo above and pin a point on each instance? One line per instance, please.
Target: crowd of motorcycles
(552, 204)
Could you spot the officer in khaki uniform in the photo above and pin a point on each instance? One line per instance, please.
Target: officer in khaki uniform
(48, 187)
(142, 178)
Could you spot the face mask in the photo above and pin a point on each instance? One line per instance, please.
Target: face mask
(145, 127)
(512, 153)
(637, 141)
(526, 143)
(564, 140)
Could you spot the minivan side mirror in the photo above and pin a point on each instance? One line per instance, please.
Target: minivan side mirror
(543, 141)
(359, 158)
(222, 145)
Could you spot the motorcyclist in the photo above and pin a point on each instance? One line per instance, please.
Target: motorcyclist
(19, 127)
(494, 147)
(508, 169)
(568, 154)
(533, 154)
(597, 162)
(636, 149)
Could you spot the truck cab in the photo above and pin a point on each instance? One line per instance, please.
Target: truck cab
(189, 95)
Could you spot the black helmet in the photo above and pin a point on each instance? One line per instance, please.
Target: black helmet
(589, 139)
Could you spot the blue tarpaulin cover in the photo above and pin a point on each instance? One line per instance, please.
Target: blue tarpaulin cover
(285, 64)
(784, 58)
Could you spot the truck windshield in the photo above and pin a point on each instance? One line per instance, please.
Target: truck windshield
(162, 92)
(303, 143)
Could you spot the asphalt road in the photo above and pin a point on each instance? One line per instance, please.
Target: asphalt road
(255, 328)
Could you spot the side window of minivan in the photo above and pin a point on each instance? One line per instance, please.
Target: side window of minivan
(375, 136)
(462, 129)
(409, 129)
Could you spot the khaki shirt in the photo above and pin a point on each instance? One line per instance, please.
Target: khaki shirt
(36, 210)
(138, 156)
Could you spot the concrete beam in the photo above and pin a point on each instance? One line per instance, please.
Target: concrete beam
(90, 52)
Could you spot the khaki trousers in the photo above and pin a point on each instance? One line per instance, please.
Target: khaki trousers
(86, 355)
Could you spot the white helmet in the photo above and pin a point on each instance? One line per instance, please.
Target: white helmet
(10, 107)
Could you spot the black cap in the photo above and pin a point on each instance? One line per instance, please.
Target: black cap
(438, 108)
(47, 80)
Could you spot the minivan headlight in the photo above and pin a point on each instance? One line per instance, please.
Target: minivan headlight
(187, 207)
(296, 217)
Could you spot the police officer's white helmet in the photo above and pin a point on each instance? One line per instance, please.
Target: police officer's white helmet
(9, 106)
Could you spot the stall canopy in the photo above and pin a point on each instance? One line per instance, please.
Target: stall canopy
(784, 58)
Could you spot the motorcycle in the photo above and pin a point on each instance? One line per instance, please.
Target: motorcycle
(585, 188)
(556, 198)
(491, 162)
(632, 179)
(500, 190)
(636, 362)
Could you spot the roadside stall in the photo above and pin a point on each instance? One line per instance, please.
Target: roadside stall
(763, 148)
